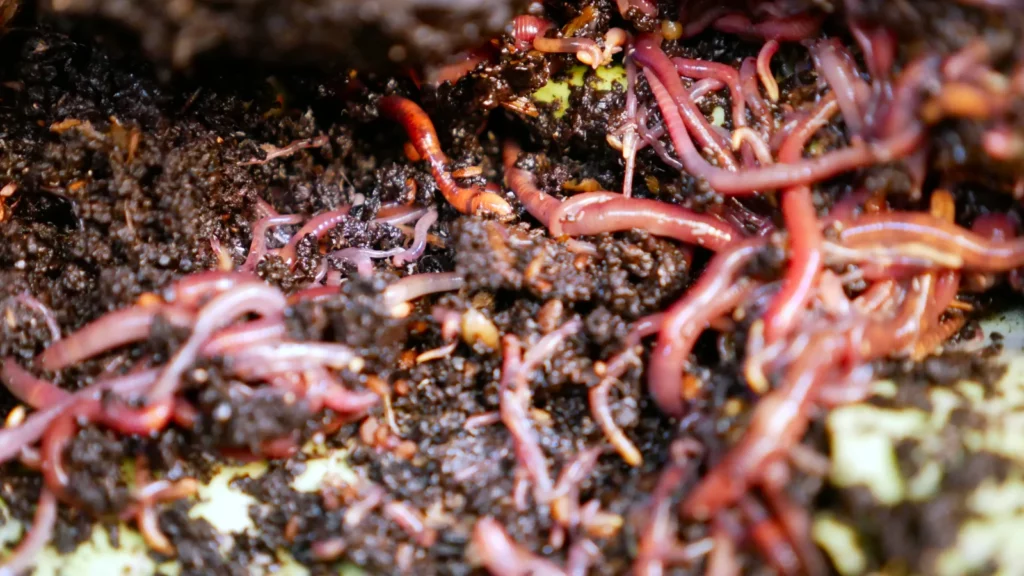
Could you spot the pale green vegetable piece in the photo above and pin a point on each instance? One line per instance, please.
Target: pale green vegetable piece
(558, 91)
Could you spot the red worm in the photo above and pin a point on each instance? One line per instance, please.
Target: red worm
(702, 69)
(804, 233)
(648, 53)
(137, 421)
(919, 239)
(997, 227)
(646, 7)
(764, 69)
(463, 64)
(526, 28)
(617, 214)
(474, 200)
(776, 176)
(751, 93)
(878, 46)
(907, 93)
(837, 67)
(318, 227)
(657, 537)
(599, 212)
(56, 439)
(412, 521)
(236, 338)
(779, 420)
(12, 440)
(523, 184)
(259, 241)
(253, 298)
(35, 392)
(769, 537)
(111, 331)
(514, 408)
(717, 292)
(502, 556)
(881, 338)
(190, 291)
(40, 394)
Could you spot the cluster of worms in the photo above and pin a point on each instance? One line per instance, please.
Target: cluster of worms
(863, 282)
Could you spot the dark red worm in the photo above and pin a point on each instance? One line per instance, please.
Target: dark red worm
(769, 536)
(417, 124)
(805, 237)
(41, 394)
(56, 439)
(657, 538)
(12, 440)
(878, 46)
(795, 522)
(645, 7)
(752, 94)
(776, 176)
(648, 54)
(700, 23)
(835, 64)
(781, 418)
(717, 292)
(703, 69)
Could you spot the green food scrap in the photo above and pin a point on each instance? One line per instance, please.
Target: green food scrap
(839, 541)
(557, 92)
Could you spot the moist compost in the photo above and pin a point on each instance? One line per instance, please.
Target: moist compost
(121, 183)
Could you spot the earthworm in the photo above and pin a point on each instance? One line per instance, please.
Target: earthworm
(474, 200)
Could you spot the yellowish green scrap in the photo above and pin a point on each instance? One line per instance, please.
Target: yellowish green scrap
(558, 91)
